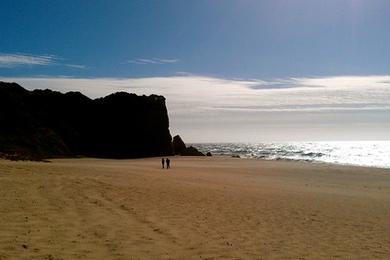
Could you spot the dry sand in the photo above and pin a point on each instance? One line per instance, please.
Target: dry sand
(201, 208)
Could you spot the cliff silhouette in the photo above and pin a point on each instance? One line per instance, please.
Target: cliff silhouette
(46, 124)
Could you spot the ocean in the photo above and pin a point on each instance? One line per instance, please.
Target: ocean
(360, 153)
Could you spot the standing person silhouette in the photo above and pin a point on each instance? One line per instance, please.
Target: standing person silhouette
(168, 163)
(163, 162)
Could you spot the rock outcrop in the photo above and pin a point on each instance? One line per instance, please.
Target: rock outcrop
(178, 145)
(179, 148)
(45, 123)
(192, 151)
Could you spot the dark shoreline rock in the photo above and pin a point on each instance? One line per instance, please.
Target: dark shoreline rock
(179, 148)
(178, 145)
(192, 151)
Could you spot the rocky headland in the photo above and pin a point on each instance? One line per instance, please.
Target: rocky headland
(44, 124)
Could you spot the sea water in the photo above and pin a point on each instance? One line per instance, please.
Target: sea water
(361, 153)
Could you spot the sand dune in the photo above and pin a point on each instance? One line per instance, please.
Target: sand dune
(202, 208)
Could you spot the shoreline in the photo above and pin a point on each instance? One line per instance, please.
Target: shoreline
(326, 163)
(313, 162)
(302, 161)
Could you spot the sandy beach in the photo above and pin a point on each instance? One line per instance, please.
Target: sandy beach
(202, 208)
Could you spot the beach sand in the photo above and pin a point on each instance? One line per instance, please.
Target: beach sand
(202, 208)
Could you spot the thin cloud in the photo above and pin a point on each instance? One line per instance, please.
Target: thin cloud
(76, 66)
(14, 60)
(308, 108)
(344, 81)
(153, 61)
(337, 82)
(183, 73)
(167, 60)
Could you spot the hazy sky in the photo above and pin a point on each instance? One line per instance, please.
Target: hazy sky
(230, 70)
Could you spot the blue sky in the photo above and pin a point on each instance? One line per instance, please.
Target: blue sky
(253, 45)
(249, 39)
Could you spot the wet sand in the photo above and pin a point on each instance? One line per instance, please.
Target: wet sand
(202, 208)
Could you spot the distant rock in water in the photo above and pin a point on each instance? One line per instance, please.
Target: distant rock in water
(179, 148)
(45, 123)
(208, 154)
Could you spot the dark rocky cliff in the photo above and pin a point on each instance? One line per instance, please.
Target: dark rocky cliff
(45, 123)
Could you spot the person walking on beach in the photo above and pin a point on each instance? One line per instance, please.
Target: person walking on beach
(168, 163)
(163, 162)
